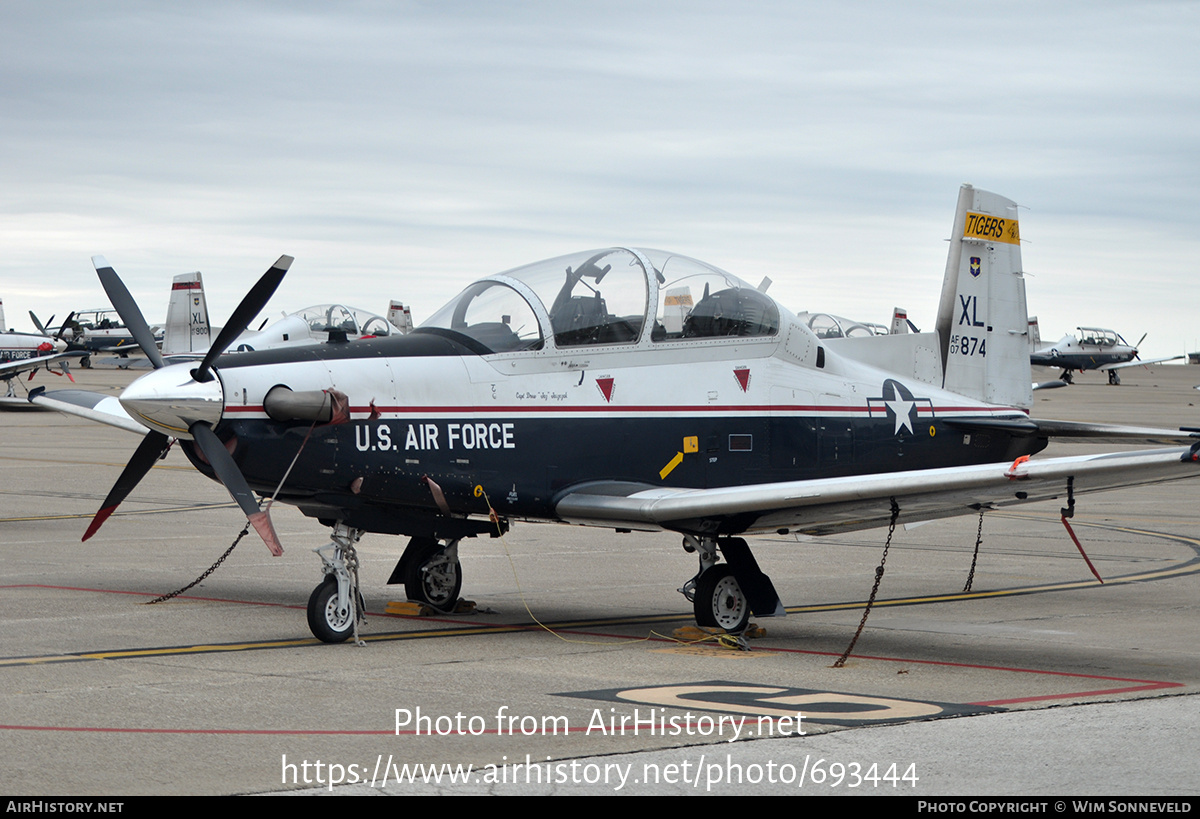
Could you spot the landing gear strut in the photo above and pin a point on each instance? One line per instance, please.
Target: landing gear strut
(717, 598)
(1114, 378)
(336, 606)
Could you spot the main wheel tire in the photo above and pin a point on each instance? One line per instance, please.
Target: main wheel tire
(719, 600)
(432, 578)
(327, 623)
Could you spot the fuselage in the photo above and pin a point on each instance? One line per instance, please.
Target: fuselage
(652, 404)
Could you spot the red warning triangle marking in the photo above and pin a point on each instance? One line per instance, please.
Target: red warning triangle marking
(743, 376)
(606, 387)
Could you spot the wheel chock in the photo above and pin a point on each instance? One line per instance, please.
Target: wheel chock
(409, 608)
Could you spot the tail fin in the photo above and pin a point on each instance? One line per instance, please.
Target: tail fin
(3, 329)
(899, 321)
(400, 316)
(1035, 335)
(982, 321)
(187, 329)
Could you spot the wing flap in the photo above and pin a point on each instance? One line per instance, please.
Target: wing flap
(830, 505)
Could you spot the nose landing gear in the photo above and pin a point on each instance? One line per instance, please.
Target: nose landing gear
(336, 606)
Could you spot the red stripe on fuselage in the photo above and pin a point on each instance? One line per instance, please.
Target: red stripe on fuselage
(608, 409)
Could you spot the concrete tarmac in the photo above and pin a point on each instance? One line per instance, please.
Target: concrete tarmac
(1039, 681)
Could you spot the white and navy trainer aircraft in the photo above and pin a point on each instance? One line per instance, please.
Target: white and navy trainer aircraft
(29, 352)
(628, 389)
(1093, 349)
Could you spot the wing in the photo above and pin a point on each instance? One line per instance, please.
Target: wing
(829, 505)
(1139, 362)
(11, 368)
(94, 406)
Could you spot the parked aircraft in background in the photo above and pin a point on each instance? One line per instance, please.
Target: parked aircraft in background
(627, 389)
(828, 326)
(28, 352)
(1093, 349)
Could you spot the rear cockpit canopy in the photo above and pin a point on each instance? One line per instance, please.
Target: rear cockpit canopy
(608, 297)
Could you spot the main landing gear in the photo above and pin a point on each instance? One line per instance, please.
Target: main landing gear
(335, 607)
(724, 594)
(430, 572)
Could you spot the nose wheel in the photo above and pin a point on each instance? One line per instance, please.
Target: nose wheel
(329, 620)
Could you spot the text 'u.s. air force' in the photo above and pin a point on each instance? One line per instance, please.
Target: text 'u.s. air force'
(430, 436)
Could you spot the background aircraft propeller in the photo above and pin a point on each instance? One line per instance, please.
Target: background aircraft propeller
(155, 444)
(1137, 346)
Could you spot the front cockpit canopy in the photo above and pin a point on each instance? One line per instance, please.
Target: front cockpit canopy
(603, 298)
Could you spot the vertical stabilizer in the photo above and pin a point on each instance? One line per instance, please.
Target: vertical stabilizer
(899, 321)
(400, 316)
(1035, 335)
(982, 321)
(187, 329)
(3, 326)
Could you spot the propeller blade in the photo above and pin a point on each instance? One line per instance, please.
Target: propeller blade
(58, 336)
(149, 451)
(253, 302)
(127, 309)
(37, 324)
(233, 480)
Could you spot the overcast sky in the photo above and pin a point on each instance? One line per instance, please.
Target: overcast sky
(402, 149)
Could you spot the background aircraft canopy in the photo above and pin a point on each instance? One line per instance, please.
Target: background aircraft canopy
(603, 298)
(826, 325)
(322, 318)
(1098, 337)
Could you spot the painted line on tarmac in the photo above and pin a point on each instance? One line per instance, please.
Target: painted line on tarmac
(1191, 566)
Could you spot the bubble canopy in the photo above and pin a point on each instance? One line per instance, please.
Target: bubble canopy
(613, 297)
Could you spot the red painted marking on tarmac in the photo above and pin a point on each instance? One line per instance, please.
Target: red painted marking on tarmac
(1138, 685)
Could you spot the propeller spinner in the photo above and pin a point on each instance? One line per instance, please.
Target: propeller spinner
(179, 402)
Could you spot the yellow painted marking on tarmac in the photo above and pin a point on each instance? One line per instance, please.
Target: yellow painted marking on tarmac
(132, 513)
(88, 463)
(674, 462)
(1192, 567)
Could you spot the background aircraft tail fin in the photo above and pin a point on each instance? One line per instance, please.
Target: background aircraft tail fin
(3, 329)
(400, 316)
(900, 322)
(982, 323)
(187, 329)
